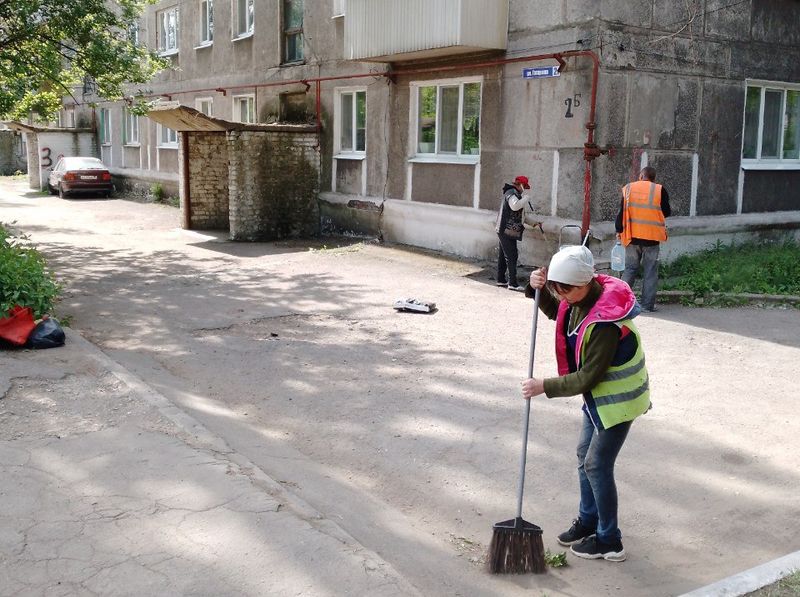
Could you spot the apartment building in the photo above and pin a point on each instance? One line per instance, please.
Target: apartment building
(424, 108)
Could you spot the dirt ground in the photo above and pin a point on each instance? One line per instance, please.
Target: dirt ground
(404, 429)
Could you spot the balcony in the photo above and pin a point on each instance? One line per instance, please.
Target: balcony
(396, 31)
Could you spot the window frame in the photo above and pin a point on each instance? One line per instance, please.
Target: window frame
(250, 21)
(161, 35)
(200, 100)
(128, 120)
(105, 126)
(437, 156)
(338, 116)
(206, 23)
(768, 163)
(236, 110)
(287, 32)
(168, 144)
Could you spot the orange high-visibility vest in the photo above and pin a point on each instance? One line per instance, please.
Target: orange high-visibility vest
(642, 216)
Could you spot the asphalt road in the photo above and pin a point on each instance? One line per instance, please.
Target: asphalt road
(403, 429)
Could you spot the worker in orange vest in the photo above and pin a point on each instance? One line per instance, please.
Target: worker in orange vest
(641, 228)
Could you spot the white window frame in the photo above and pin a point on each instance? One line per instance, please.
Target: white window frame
(198, 105)
(105, 126)
(436, 156)
(237, 99)
(236, 31)
(776, 163)
(165, 135)
(163, 45)
(337, 122)
(206, 23)
(133, 33)
(131, 128)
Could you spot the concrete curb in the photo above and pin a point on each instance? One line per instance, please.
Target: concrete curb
(750, 580)
(258, 477)
(675, 296)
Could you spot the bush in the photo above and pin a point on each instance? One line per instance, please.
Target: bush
(24, 277)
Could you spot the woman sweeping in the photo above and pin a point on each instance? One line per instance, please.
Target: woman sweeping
(599, 355)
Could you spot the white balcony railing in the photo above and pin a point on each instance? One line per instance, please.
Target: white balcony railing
(397, 30)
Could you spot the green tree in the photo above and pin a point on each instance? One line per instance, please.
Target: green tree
(47, 47)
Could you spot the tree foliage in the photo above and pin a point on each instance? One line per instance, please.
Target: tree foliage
(48, 47)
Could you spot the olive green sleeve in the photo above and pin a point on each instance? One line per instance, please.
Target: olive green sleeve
(598, 354)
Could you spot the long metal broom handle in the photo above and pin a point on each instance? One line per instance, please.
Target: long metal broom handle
(524, 458)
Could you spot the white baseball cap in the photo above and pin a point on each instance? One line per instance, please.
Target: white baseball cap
(572, 265)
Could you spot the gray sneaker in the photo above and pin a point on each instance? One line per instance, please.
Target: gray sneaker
(516, 287)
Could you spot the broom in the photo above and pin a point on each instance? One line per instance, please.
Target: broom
(517, 546)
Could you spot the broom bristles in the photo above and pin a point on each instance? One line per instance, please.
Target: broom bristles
(516, 550)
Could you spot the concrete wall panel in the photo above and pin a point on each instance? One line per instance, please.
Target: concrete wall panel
(674, 171)
(449, 184)
(771, 191)
(732, 23)
(776, 21)
(638, 13)
(721, 134)
(662, 112)
(348, 176)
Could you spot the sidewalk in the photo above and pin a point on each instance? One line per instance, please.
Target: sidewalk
(109, 489)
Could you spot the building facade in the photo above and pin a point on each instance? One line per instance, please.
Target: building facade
(424, 108)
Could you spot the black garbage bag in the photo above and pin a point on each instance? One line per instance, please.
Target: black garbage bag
(46, 334)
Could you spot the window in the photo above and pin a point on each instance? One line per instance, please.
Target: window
(206, 21)
(204, 105)
(242, 18)
(448, 118)
(351, 121)
(105, 127)
(244, 108)
(292, 30)
(133, 33)
(131, 128)
(772, 125)
(168, 30)
(167, 137)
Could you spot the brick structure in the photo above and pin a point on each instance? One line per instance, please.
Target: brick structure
(273, 183)
(208, 173)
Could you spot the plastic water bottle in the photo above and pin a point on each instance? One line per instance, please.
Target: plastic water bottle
(618, 257)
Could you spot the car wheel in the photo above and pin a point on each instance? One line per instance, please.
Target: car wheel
(61, 192)
(51, 190)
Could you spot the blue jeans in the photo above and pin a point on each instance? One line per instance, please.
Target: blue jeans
(647, 257)
(597, 453)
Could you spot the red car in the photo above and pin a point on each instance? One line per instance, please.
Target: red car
(80, 175)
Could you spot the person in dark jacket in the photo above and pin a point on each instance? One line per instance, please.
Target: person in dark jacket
(509, 228)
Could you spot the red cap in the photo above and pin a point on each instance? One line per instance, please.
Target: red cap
(523, 180)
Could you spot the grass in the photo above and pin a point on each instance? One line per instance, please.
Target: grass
(758, 268)
(788, 586)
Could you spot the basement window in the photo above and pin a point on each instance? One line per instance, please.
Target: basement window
(447, 119)
(771, 138)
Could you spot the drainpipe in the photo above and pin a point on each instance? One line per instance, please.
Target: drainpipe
(187, 202)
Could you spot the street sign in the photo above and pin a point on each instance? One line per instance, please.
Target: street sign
(540, 72)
